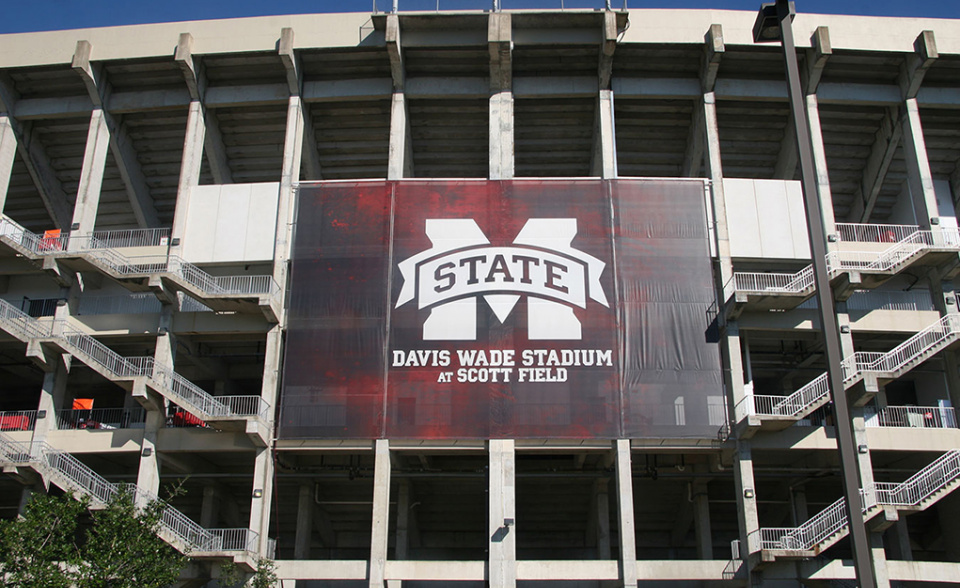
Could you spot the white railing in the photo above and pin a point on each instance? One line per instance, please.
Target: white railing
(20, 324)
(116, 239)
(833, 519)
(889, 300)
(77, 476)
(867, 261)
(99, 246)
(824, 524)
(18, 420)
(189, 304)
(100, 418)
(923, 484)
(91, 352)
(245, 406)
(871, 233)
(141, 303)
(800, 402)
(924, 417)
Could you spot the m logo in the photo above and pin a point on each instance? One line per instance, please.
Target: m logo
(462, 266)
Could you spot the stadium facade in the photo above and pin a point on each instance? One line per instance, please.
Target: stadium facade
(292, 264)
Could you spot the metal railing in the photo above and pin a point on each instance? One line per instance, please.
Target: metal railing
(889, 300)
(101, 418)
(141, 303)
(806, 398)
(873, 233)
(923, 484)
(20, 324)
(833, 519)
(34, 244)
(221, 285)
(923, 417)
(869, 261)
(128, 238)
(245, 406)
(190, 304)
(91, 351)
(18, 420)
(72, 474)
(821, 526)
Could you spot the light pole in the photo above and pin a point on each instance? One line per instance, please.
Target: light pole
(774, 23)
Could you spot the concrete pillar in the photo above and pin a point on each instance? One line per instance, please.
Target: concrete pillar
(208, 508)
(91, 176)
(402, 545)
(501, 135)
(400, 153)
(746, 499)
(289, 176)
(919, 177)
(605, 150)
(701, 521)
(26, 495)
(190, 164)
(879, 556)
(733, 368)
(800, 512)
(502, 528)
(628, 533)
(380, 532)
(715, 171)
(898, 537)
(820, 165)
(301, 549)
(602, 490)
(8, 152)
(271, 366)
(52, 400)
(148, 473)
(260, 506)
(940, 292)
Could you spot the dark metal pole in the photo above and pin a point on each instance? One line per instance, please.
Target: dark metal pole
(849, 464)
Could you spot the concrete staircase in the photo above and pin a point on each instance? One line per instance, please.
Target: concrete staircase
(133, 373)
(771, 412)
(73, 476)
(217, 292)
(829, 526)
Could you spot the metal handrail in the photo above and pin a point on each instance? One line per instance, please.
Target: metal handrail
(20, 324)
(18, 420)
(100, 418)
(855, 365)
(926, 417)
(909, 493)
(130, 237)
(874, 233)
(75, 475)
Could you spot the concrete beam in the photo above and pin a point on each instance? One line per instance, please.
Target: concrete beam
(501, 528)
(915, 66)
(604, 162)
(81, 64)
(712, 53)
(196, 82)
(380, 532)
(501, 137)
(36, 160)
(918, 166)
(304, 530)
(500, 47)
(392, 40)
(885, 144)
(627, 525)
(400, 150)
(309, 149)
(8, 152)
(608, 45)
(91, 173)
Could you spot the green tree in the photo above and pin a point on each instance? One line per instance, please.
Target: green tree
(123, 550)
(120, 550)
(264, 577)
(39, 550)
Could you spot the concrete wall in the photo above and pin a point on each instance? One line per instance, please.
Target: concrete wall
(766, 219)
(231, 223)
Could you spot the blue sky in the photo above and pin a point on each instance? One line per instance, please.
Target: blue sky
(38, 15)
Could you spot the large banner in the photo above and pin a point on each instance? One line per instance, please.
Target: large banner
(501, 309)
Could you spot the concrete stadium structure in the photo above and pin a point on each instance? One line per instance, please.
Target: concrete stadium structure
(147, 191)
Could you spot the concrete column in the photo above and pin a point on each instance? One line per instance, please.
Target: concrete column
(820, 165)
(746, 507)
(866, 481)
(190, 164)
(52, 399)
(271, 366)
(879, 556)
(8, 152)
(602, 490)
(919, 177)
(304, 531)
(940, 292)
(148, 473)
(800, 512)
(733, 368)
(715, 171)
(400, 154)
(208, 508)
(501, 135)
(263, 485)
(289, 176)
(91, 175)
(502, 528)
(948, 511)
(899, 537)
(628, 533)
(402, 545)
(380, 532)
(701, 521)
(605, 151)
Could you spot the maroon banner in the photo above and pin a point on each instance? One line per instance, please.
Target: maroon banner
(513, 309)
